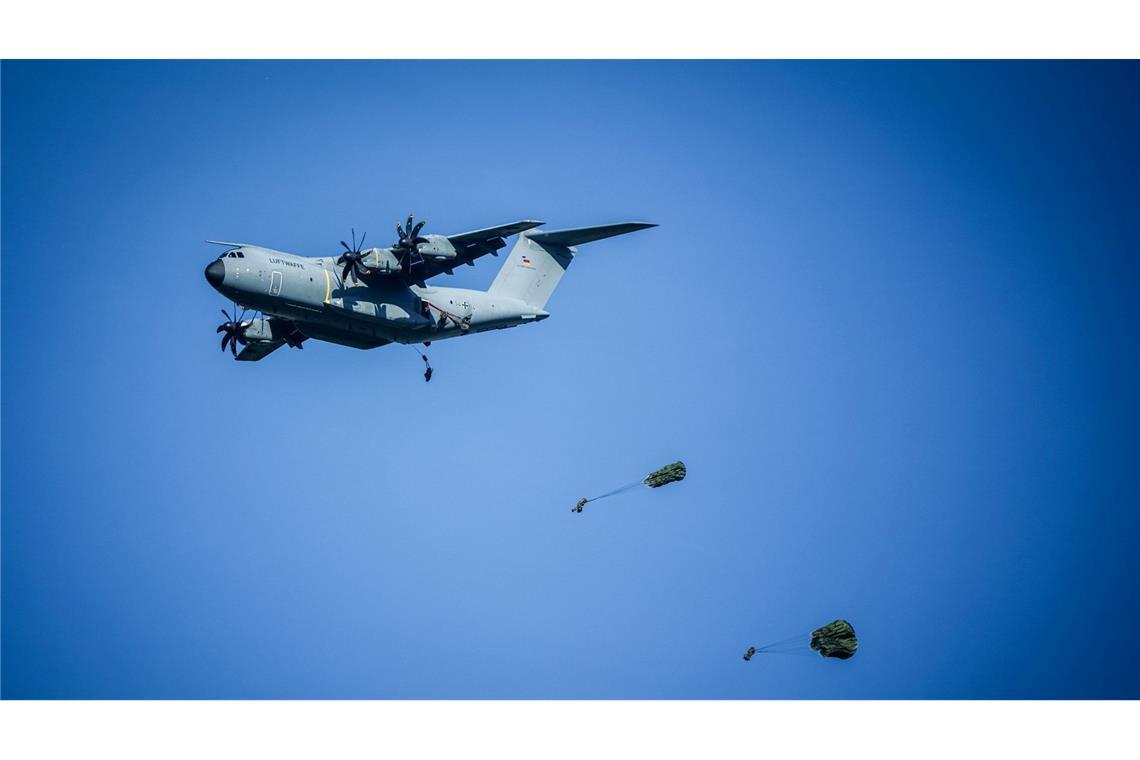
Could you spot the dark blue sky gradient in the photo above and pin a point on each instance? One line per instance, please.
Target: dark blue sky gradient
(889, 320)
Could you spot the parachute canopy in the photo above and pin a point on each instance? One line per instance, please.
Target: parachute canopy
(836, 639)
(668, 474)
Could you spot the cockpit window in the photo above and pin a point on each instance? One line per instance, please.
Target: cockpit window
(234, 254)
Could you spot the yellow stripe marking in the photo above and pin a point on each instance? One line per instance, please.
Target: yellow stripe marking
(328, 286)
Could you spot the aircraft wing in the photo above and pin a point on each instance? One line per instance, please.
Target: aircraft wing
(502, 231)
(470, 246)
(580, 235)
(257, 350)
(282, 331)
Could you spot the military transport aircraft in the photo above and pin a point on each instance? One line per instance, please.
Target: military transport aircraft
(367, 298)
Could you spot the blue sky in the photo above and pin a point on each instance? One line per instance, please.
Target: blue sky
(888, 320)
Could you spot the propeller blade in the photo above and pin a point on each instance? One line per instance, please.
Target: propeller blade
(344, 274)
(416, 232)
(353, 238)
(233, 348)
(400, 231)
(346, 246)
(409, 225)
(362, 236)
(226, 314)
(225, 341)
(419, 240)
(220, 328)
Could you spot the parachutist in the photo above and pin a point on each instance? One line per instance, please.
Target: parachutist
(668, 474)
(427, 365)
(835, 640)
(578, 507)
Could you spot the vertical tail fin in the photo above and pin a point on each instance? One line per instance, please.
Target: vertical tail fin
(539, 259)
(532, 271)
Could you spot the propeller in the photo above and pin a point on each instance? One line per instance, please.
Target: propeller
(234, 330)
(408, 244)
(353, 259)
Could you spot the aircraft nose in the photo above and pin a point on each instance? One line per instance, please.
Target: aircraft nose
(216, 272)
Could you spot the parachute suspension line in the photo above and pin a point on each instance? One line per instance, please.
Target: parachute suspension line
(616, 491)
(444, 315)
(795, 646)
(583, 502)
(785, 648)
(798, 640)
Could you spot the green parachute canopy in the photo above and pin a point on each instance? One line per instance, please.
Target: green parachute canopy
(667, 474)
(836, 639)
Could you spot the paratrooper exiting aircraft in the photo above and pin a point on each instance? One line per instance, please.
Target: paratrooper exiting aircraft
(367, 298)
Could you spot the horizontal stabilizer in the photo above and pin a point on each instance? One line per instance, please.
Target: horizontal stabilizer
(580, 235)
